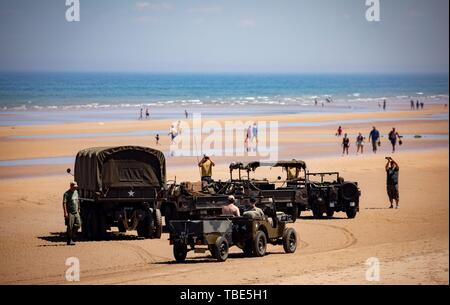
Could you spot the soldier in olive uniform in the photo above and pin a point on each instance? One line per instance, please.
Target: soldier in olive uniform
(253, 211)
(71, 207)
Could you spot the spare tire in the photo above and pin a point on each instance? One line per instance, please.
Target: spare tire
(350, 191)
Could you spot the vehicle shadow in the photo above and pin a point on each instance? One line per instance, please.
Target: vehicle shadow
(323, 218)
(60, 237)
(209, 259)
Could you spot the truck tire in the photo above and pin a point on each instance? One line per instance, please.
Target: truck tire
(260, 244)
(158, 224)
(330, 213)
(289, 240)
(317, 213)
(221, 249)
(351, 212)
(146, 227)
(179, 252)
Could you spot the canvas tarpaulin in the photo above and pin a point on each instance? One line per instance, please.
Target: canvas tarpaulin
(104, 167)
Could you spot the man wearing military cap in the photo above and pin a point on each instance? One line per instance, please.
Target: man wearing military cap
(71, 208)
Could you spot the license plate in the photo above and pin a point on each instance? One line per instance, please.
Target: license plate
(352, 204)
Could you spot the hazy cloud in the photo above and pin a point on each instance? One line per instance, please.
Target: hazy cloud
(153, 6)
(247, 23)
(212, 9)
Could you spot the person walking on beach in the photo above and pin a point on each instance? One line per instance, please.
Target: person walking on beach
(206, 165)
(384, 105)
(248, 134)
(393, 136)
(339, 131)
(173, 134)
(417, 105)
(374, 136)
(345, 144)
(412, 105)
(141, 116)
(360, 143)
(71, 208)
(147, 114)
(255, 133)
(157, 139)
(186, 114)
(392, 171)
(422, 105)
(315, 102)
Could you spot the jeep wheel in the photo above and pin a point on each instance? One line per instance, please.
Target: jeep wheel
(330, 213)
(180, 252)
(221, 249)
(351, 212)
(146, 227)
(260, 244)
(158, 224)
(289, 240)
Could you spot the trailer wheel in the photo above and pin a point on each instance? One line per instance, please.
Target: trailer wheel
(158, 224)
(221, 249)
(289, 240)
(260, 244)
(248, 249)
(317, 213)
(179, 251)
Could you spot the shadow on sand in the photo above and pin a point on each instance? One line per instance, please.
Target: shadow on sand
(60, 237)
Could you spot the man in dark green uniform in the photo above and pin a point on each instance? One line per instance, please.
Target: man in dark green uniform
(392, 170)
(71, 207)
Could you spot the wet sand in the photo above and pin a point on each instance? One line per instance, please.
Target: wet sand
(411, 243)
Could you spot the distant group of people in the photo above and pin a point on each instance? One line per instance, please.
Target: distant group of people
(251, 134)
(416, 105)
(147, 114)
(374, 138)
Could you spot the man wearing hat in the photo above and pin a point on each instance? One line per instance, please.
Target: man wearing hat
(253, 211)
(231, 208)
(71, 207)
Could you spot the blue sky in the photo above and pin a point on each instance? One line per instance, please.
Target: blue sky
(258, 36)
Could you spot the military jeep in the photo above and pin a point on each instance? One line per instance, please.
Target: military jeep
(119, 187)
(217, 234)
(328, 193)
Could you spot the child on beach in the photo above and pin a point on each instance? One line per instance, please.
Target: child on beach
(360, 143)
(157, 139)
(339, 131)
(345, 144)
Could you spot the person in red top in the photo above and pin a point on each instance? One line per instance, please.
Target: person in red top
(339, 131)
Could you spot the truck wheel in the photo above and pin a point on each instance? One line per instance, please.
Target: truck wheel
(317, 213)
(351, 212)
(289, 240)
(146, 227)
(158, 224)
(179, 252)
(221, 249)
(260, 244)
(330, 213)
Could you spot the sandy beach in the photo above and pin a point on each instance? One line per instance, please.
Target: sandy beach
(411, 243)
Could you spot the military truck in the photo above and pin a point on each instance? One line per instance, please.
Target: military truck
(217, 234)
(119, 187)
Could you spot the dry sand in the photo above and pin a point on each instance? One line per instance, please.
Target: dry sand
(411, 243)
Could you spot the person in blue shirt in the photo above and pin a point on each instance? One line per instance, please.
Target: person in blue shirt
(374, 136)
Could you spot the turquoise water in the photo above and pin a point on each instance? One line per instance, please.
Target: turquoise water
(125, 89)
